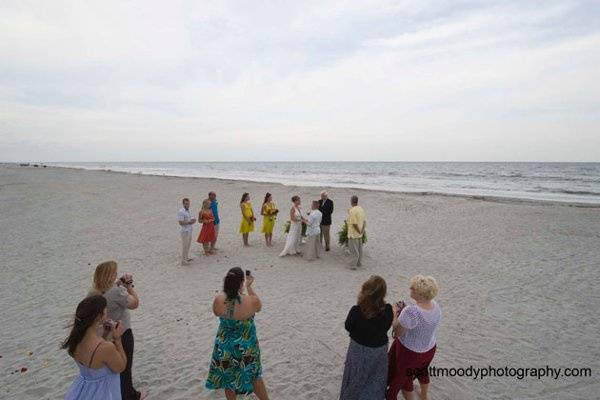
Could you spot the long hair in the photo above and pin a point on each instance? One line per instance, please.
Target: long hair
(206, 204)
(266, 198)
(86, 314)
(232, 282)
(371, 297)
(244, 197)
(105, 275)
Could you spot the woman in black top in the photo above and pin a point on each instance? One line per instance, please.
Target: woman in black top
(365, 370)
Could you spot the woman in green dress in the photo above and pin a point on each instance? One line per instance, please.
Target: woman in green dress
(235, 364)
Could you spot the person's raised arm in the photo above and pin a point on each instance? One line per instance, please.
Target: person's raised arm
(113, 354)
(255, 299)
(133, 300)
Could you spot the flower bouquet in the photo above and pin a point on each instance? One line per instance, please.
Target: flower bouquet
(343, 235)
(286, 228)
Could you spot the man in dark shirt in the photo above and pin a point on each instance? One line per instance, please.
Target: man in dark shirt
(326, 208)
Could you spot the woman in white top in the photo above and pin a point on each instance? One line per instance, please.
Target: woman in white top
(294, 236)
(415, 331)
(120, 298)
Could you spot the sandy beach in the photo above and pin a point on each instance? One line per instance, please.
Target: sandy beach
(519, 283)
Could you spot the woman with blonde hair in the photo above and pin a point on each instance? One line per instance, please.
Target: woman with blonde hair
(208, 233)
(120, 298)
(365, 370)
(414, 345)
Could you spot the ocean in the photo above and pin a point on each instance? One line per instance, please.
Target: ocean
(559, 182)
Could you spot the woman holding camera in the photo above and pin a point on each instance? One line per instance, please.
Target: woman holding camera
(235, 365)
(120, 297)
(99, 361)
(365, 370)
(414, 347)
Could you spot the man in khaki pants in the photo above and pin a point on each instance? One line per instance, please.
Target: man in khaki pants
(356, 228)
(186, 223)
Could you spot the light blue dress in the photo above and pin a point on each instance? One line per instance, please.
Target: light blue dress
(95, 384)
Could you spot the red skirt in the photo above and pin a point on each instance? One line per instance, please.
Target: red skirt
(207, 233)
(404, 366)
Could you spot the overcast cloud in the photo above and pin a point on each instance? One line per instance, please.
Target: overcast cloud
(299, 80)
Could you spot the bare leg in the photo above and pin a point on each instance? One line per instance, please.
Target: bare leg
(245, 239)
(206, 249)
(424, 388)
(212, 246)
(407, 395)
(267, 238)
(260, 389)
(229, 394)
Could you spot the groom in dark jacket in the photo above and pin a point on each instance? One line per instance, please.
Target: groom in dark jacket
(326, 208)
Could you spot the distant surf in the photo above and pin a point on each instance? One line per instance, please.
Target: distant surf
(557, 182)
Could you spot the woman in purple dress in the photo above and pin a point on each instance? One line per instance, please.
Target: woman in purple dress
(100, 361)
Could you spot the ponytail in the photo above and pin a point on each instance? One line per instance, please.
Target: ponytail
(232, 282)
(86, 314)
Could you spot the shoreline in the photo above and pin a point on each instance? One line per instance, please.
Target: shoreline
(485, 198)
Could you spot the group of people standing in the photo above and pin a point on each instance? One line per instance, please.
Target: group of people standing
(101, 339)
(314, 224)
(208, 217)
(371, 370)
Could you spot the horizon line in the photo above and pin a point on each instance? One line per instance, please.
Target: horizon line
(303, 161)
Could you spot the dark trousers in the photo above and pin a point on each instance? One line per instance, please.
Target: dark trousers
(127, 390)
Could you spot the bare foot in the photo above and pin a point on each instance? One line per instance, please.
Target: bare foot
(143, 394)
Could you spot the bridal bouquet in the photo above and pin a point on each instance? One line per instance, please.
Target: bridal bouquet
(343, 235)
(286, 228)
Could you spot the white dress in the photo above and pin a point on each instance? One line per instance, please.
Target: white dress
(294, 236)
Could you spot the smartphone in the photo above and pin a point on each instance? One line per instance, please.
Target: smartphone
(247, 272)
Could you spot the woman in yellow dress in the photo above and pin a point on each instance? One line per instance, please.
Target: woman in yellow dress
(269, 212)
(247, 224)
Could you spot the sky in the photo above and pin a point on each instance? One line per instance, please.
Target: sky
(412, 80)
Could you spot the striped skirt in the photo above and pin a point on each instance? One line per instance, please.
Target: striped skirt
(365, 372)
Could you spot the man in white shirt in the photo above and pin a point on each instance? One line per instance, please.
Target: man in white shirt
(313, 232)
(186, 223)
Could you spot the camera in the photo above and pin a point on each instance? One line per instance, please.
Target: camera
(400, 306)
(126, 279)
(248, 273)
(109, 324)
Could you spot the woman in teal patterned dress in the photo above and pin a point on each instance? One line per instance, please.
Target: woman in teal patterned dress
(235, 364)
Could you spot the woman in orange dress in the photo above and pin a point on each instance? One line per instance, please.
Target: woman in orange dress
(208, 234)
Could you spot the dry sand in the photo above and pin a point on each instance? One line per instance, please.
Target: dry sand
(519, 284)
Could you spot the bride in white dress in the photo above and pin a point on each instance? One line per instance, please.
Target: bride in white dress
(294, 236)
